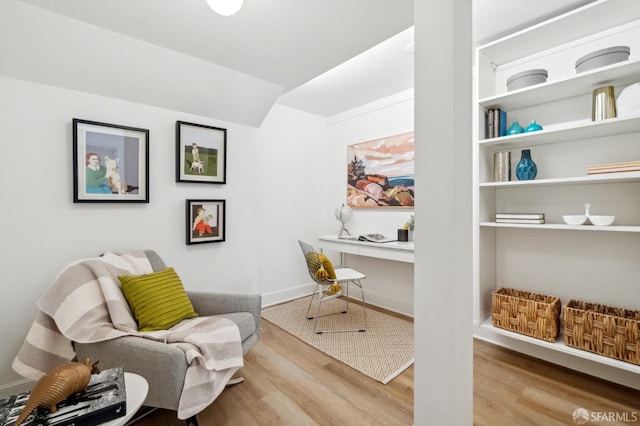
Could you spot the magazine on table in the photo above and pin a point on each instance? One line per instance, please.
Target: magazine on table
(376, 238)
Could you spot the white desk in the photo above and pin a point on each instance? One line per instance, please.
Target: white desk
(136, 387)
(401, 251)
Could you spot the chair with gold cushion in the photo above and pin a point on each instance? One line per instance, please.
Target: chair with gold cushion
(330, 283)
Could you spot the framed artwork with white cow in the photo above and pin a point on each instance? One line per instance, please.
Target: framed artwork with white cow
(201, 153)
(380, 172)
(110, 163)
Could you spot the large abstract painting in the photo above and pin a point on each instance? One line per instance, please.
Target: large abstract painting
(380, 172)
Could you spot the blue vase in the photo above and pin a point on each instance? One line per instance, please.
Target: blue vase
(515, 129)
(533, 127)
(526, 169)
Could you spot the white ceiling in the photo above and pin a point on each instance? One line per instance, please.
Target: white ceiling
(327, 56)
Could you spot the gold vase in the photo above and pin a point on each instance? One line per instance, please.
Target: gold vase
(604, 104)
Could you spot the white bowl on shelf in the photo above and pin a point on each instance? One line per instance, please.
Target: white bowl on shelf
(601, 220)
(575, 219)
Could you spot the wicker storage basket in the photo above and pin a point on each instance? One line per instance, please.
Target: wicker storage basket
(612, 332)
(523, 312)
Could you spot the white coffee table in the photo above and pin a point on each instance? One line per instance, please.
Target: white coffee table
(137, 388)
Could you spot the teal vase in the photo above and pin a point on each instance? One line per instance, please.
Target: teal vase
(515, 129)
(533, 127)
(526, 169)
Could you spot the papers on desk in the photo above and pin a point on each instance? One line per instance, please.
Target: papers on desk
(376, 238)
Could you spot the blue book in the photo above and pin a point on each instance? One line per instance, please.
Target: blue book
(503, 123)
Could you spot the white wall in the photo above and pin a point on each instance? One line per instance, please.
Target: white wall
(389, 283)
(43, 230)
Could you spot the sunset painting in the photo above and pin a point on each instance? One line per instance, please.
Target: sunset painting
(380, 173)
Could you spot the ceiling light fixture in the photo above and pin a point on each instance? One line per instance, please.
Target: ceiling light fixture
(225, 7)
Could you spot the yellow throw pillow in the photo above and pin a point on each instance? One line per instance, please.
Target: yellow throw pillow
(158, 300)
(326, 269)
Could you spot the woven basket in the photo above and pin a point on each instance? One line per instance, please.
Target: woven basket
(612, 332)
(527, 313)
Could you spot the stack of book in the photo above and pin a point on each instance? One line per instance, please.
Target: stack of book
(530, 218)
(105, 399)
(496, 122)
(628, 166)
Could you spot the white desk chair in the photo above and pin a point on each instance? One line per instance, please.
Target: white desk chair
(344, 277)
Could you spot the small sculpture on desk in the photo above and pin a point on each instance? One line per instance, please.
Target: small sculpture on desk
(344, 215)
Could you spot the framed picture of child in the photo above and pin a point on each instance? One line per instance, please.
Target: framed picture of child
(201, 153)
(110, 163)
(205, 221)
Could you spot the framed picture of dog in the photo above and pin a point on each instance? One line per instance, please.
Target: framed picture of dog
(201, 153)
(110, 163)
(205, 221)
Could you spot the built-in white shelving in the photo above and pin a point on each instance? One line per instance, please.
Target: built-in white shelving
(559, 346)
(561, 226)
(580, 180)
(583, 129)
(590, 263)
(567, 87)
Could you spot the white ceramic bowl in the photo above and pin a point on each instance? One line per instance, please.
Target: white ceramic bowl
(601, 220)
(575, 219)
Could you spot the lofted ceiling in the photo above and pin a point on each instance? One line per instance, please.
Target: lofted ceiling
(323, 57)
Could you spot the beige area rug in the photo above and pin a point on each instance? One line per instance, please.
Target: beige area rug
(382, 352)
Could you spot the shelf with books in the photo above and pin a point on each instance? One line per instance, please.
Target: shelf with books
(564, 132)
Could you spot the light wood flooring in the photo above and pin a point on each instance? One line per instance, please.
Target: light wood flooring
(290, 383)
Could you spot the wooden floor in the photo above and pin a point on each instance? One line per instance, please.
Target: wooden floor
(290, 383)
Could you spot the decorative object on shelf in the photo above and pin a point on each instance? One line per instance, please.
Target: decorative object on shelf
(604, 330)
(587, 218)
(111, 163)
(225, 7)
(524, 218)
(403, 234)
(205, 221)
(602, 57)
(343, 214)
(201, 153)
(533, 127)
(524, 312)
(526, 168)
(603, 105)
(628, 101)
(574, 219)
(496, 122)
(627, 166)
(526, 78)
(515, 129)
(502, 166)
(380, 172)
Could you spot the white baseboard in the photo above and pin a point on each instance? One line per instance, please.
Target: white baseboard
(280, 296)
(16, 387)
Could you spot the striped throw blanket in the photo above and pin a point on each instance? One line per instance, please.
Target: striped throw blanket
(85, 304)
